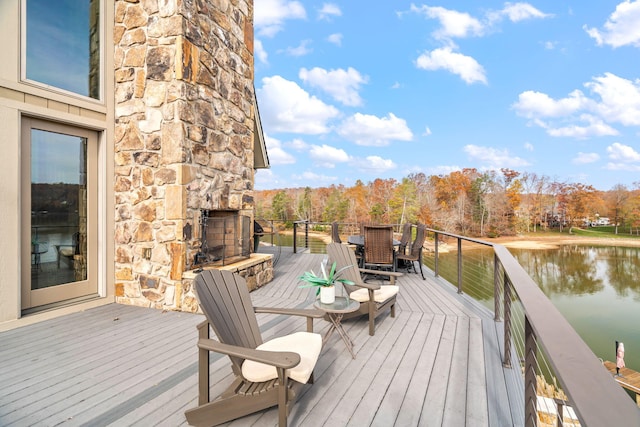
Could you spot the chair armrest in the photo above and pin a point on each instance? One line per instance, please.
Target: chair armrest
(316, 314)
(279, 359)
(391, 274)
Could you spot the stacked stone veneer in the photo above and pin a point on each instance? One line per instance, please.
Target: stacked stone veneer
(184, 121)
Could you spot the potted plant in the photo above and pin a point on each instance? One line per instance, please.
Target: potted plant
(326, 282)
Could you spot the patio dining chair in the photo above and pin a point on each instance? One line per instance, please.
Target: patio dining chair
(405, 239)
(378, 247)
(415, 253)
(266, 373)
(374, 298)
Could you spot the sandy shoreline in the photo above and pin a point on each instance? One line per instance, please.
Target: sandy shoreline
(535, 241)
(552, 242)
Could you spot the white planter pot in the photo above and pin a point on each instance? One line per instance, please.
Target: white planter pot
(327, 294)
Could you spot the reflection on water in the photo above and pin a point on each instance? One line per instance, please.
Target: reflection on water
(578, 270)
(596, 288)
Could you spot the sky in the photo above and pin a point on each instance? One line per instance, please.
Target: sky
(359, 89)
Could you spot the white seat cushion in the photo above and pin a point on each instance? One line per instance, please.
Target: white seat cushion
(66, 251)
(306, 344)
(379, 295)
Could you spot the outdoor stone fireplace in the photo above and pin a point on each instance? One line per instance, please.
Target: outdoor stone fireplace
(185, 128)
(225, 238)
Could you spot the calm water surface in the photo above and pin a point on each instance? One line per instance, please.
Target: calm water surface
(596, 288)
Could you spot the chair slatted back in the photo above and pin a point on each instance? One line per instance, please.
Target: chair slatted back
(344, 256)
(406, 237)
(225, 301)
(378, 244)
(335, 233)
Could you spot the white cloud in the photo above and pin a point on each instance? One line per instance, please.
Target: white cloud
(269, 15)
(623, 153)
(285, 107)
(298, 144)
(528, 146)
(329, 10)
(277, 156)
(342, 85)
(622, 167)
(493, 157)
(453, 23)
(327, 156)
(265, 178)
(594, 127)
(620, 98)
(536, 104)
(517, 12)
(585, 158)
(617, 100)
(443, 170)
(300, 50)
(374, 164)
(335, 38)
(260, 53)
(368, 130)
(427, 131)
(445, 59)
(315, 178)
(622, 28)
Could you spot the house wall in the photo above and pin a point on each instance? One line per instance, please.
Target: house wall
(18, 99)
(183, 137)
(176, 135)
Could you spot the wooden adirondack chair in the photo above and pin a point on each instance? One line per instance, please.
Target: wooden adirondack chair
(374, 298)
(415, 254)
(267, 373)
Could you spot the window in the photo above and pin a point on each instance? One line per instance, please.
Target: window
(62, 45)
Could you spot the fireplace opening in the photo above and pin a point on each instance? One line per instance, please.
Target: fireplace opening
(226, 237)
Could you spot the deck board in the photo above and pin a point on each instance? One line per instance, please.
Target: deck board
(436, 363)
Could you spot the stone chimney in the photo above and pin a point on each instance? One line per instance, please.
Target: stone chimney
(184, 135)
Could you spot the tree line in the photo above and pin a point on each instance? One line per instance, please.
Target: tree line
(467, 202)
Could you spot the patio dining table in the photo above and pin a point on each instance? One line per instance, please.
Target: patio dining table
(358, 240)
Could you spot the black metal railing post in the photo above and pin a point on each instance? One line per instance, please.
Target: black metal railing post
(295, 235)
(530, 381)
(306, 234)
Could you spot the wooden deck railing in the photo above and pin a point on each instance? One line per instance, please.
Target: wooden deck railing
(547, 336)
(546, 344)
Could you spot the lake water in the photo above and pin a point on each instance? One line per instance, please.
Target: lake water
(596, 288)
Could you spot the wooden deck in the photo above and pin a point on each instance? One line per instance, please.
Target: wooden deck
(437, 363)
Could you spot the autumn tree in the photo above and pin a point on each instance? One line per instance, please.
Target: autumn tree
(617, 203)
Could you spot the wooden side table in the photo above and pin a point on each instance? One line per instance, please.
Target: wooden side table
(335, 312)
